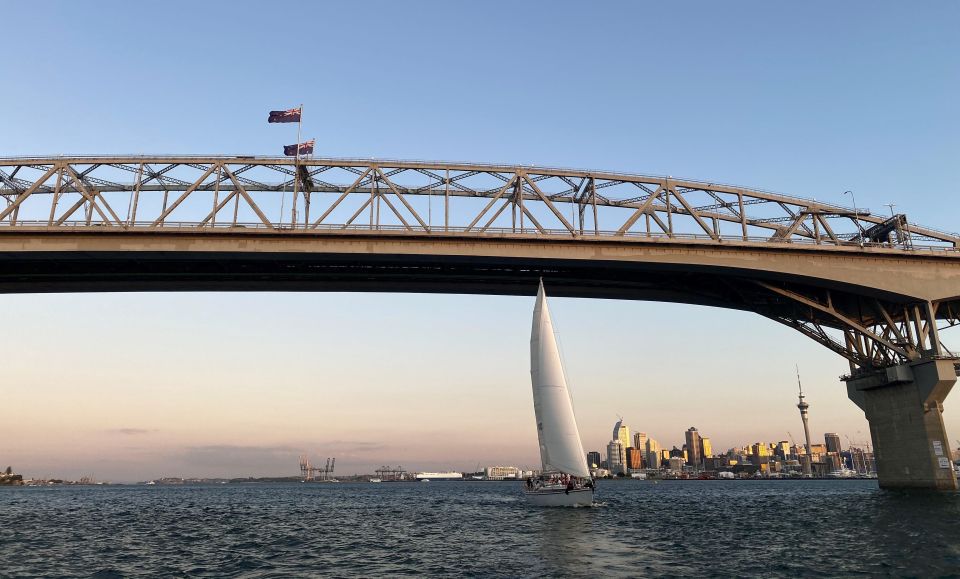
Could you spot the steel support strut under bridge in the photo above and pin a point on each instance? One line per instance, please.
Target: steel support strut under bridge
(876, 290)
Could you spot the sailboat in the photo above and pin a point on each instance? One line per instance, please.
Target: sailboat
(565, 479)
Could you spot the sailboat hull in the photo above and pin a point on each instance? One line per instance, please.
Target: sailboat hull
(560, 498)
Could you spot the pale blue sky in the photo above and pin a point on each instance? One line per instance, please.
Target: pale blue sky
(809, 99)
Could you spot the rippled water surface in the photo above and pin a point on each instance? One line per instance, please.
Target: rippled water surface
(691, 528)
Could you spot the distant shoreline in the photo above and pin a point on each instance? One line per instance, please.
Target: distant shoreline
(195, 483)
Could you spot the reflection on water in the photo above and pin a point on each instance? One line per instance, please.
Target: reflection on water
(565, 537)
(679, 528)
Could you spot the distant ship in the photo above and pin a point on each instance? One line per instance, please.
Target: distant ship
(439, 476)
(842, 473)
(565, 480)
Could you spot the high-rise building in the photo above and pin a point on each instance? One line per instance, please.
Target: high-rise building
(862, 461)
(760, 449)
(621, 433)
(634, 458)
(782, 450)
(694, 448)
(833, 442)
(817, 452)
(593, 459)
(833, 461)
(715, 463)
(640, 441)
(653, 453)
(705, 448)
(616, 457)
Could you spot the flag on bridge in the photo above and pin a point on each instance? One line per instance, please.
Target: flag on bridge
(305, 148)
(287, 116)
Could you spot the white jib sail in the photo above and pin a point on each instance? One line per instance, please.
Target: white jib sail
(560, 446)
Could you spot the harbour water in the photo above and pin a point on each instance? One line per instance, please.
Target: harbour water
(639, 528)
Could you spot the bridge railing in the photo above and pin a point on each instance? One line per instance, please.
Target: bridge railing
(440, 230)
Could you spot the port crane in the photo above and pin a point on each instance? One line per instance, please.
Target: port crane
(317, 473)
(391, 474)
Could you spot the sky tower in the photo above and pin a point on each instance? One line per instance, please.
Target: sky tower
(803, 406)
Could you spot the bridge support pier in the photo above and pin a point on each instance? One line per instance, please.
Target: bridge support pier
(904, 406)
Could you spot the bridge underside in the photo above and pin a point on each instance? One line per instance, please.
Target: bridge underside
(123, 271)
(871, 327)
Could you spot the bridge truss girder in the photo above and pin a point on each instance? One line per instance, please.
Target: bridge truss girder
(157, 192)
(869, 332)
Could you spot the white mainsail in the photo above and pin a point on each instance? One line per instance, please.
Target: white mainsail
(560, 446)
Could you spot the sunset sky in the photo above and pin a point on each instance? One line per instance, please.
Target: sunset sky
(809, 100)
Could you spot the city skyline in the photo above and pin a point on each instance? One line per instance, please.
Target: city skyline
(697, 448)
(137, 386)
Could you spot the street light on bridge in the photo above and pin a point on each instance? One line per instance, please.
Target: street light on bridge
(856, 215)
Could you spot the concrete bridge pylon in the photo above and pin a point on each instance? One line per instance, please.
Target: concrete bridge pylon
(904, 407)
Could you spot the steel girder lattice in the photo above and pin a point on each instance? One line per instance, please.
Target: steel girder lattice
(424, 198)
(874, 333)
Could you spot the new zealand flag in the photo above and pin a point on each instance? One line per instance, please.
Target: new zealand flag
(305, 149)
(287, 116)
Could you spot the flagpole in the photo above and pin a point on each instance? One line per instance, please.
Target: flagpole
(296, 171)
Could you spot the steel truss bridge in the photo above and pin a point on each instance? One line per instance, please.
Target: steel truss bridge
(878, 290)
